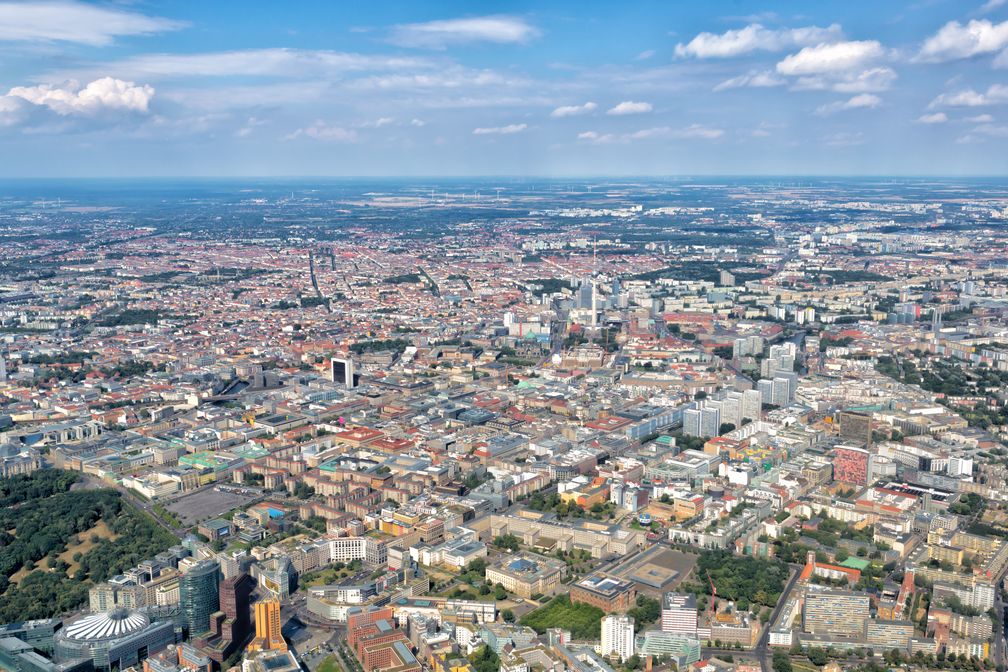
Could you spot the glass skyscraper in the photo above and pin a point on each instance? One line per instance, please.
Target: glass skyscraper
(199, 596)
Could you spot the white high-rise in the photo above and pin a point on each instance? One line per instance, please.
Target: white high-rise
(618, 636)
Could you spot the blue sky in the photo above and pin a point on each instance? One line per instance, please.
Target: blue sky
(526, 88)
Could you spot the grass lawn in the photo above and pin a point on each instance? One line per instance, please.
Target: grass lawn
(330, 664)
(803, 666)
(583, 620)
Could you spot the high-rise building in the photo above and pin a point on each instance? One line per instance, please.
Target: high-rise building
(199, 596)
(267, 625)
(235, 598)
(703, 421)
(752, 405)
(679, 614)
(855, 425)
(342, 370)
(3, 368)
(835, 612)
(618, 636)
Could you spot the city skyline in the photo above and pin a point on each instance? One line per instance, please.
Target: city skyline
(167, 89)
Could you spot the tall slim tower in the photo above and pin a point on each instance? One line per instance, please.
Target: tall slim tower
(3, 367)
(594, 317)
(267, 624)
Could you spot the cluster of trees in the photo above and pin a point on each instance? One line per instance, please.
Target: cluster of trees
(41, 517)
(508, 542)
(69, 357)
(484, 659)
(397, 344)
(647, 611)
(969, 504)
(548, 285)
(943, 376)
(744, 579)
(132, 316)
(404, 279)
(39, 485)
(583, 620)
(552, 502)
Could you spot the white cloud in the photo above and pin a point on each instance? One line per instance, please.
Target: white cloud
(320, 130)
(992, 130)
(980, 119)
(992, 4)
(573, 110)
(831, 58)
(699, 131)
(500, 130)
(756, 79)
(441, 34)
(418, 123)
(68, 21)
(595, 137)
(290, 63)
(250, 125)
(936, 118)
(956, 41)
(630, 107)
(996, 94)
(755, 37)
(10, 110)
(645, 55)
(860, 101)
(377, 123)
(691, 132)
(872, 79)
(102, 94)
(1001, 60)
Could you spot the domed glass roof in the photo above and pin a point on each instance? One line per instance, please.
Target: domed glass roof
(107, 625)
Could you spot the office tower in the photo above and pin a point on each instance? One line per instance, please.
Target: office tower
(3, 367)
(855, 425)
(765, 388)
(342, 369)
(267, 625)
(679, 614)
(835, 612)
(618, 636)
(199, 596)
(235, 597)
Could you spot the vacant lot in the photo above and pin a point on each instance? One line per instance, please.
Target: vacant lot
(205, 504)
(583, 620)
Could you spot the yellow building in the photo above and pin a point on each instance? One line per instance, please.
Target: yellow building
(267, 625)
(442, 663)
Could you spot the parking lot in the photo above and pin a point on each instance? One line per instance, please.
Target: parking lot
(209, 503)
